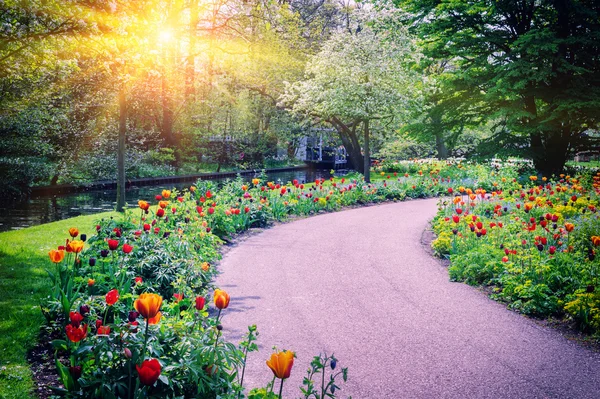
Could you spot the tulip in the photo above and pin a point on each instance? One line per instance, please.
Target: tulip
(75, 372)
(178, 297)
(104, 253)
(113, 244)
(91, 282)
(569, 227)
(75, 246)
(221, 299)
(166, 193)
(200, 302)
(76, 334)
(56, 256)
(103, 330)
(76, 318)
(148, 305)
(112, 297)
(84, 310)
(138, 280)
(596, 240)
(205, 266)
(281, 364)
(73, 232)
(92, 262)
(149, 371)
(127, 248)
(143, 205)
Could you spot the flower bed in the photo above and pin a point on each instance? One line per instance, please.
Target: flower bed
(534, 242)
(132, 302)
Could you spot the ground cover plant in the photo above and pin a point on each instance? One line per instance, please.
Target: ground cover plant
(532, 239)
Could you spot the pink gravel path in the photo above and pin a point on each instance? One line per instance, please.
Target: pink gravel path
(359, 283)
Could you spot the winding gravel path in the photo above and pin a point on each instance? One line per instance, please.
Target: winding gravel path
(359, 283)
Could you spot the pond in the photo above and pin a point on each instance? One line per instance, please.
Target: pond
(50, 208)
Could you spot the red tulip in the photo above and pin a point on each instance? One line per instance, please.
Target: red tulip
(211, 210)
(76, 318)
(76, 334)
(160, 212)
(113, 244)
(112, 297)
(200, 302)
(178, 297)
(103, 330)
(149, 371)
(552, 250)
(127, 248)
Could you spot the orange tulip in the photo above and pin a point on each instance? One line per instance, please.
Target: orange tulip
(221, 299)
(75, 246)
(148, 305)
(281, 364)
(569, 227)
(56, 255)
(73, 232)
(596, 240)
(143, 205)
(166, 193)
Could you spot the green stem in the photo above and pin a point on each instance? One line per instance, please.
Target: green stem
(145, 340)
(323, 381)
(281, 388)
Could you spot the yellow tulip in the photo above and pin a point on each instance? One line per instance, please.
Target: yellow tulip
(76, 246)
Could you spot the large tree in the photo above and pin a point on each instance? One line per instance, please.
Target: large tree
(536, 63)
(359, 78)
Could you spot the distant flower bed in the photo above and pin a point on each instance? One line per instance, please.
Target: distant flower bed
(132, 302)
(534, 241)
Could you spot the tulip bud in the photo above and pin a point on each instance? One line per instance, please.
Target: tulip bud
(127, 353)
(84, 310)
(133, 315)
(75, 372)
(219, 327)
(92, 262)
(83, 237)
(333, 363)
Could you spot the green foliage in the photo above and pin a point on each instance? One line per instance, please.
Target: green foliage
(516, 64)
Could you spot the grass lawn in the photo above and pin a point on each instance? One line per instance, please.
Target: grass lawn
(23, 281)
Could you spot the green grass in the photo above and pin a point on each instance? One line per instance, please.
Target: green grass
(23, 282)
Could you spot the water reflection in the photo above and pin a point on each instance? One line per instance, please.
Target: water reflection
(45, 209)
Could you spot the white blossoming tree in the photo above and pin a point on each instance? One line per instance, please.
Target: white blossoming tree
(360, 77)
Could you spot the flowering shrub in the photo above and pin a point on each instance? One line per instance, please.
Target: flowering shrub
(532, 239)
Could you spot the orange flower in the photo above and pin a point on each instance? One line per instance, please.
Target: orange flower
(148, 305)
(56, 255)
(75, 246)
(205, 266)
(221, 299)
(281, 364)
(596, 240)
(166, 193)
(73, 232)
(255, 181)
(143, 205)
(569, 227)
(163, 204)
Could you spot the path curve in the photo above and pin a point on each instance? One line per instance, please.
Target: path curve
(359, 283)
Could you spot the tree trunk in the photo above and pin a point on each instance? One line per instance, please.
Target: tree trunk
(442, 151)
(367, 156)
(440, 145)
(350, 141)
(121, 149)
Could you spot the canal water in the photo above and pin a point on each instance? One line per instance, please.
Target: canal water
(50, 208)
